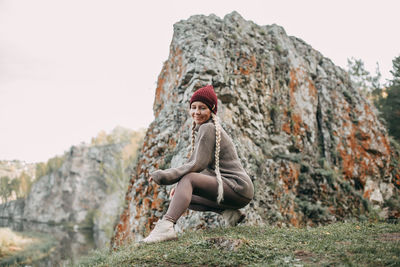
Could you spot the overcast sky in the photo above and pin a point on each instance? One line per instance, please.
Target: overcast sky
(69, 69)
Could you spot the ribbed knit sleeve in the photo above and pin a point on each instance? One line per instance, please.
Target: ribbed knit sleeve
(202, 156)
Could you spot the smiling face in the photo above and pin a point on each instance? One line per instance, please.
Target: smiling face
(200, 112)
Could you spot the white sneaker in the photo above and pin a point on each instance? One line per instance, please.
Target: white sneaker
(233, 217)
(163, 231)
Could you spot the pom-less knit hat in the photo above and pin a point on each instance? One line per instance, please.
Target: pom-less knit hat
(206, 95)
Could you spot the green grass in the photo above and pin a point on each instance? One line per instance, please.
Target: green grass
(348, 244)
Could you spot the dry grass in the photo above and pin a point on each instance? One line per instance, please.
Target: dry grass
(11, 242)
(20, 249)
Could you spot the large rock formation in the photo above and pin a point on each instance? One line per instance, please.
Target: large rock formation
(13, 210)
(85, 187)
(75, 193)
(312, 144)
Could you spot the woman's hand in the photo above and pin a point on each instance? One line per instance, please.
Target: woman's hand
(150, 179)
(171, 194)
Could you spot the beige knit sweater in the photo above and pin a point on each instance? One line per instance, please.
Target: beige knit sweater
(202, 160)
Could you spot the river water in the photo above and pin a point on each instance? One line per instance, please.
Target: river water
(71, 245)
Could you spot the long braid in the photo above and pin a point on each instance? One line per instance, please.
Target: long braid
(217, 150)
(193, 137)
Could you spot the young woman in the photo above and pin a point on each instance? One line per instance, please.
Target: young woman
(213, 178)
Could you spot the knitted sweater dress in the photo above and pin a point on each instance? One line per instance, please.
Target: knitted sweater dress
(202, 161)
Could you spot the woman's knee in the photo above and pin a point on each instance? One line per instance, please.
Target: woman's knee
(188, 177)
(202, 184)
(186, 180)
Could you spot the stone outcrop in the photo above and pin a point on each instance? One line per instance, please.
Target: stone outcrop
(86, 191)
(85, 187)
(75, 193)
(313, 146)
(13, 209)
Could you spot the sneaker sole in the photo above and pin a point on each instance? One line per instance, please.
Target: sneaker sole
(169, 239)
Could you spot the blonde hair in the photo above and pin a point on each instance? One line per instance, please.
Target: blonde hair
(217, 150)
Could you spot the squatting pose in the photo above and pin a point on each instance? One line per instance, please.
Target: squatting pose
(213, 179)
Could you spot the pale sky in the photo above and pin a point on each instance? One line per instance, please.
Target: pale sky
(69, 69)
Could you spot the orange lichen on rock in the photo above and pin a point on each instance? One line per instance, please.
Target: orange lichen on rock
(296, 124)
(122, 233)
(324, 187)
(179, 68)
(172, 143)
(170, 75)
(289, 175)
(397, 179)
(293, 125)
(367, 193)
(247, 65)
(288, 210)
(294, 82)
(157, 204)
(293, 215)
(311, 86)
(385, 142)
(296, 120)
(160, 87)
(286, 127)
(123, 218)
(348, 160)
(139, 188)
(358, 162)
(146, 202)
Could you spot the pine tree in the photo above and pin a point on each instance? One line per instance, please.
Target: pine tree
(5, 189)
(386, 98)
(25, 184)
(396, 71)
(15, 187)
(359, 75)
(391, 104)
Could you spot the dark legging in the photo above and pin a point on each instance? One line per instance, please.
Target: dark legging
(199, 192)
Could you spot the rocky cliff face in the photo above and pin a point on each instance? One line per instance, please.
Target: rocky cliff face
(85, 188)
(75, 193)
(311, 143)
(13, 210)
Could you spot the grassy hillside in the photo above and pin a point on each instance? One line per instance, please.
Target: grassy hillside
(359, 244)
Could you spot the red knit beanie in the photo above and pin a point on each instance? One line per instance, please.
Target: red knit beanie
(206, 95)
